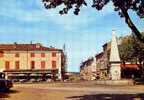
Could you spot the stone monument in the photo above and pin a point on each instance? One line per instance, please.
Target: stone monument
(115, 69)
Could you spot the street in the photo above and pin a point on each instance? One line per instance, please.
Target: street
(64, 92)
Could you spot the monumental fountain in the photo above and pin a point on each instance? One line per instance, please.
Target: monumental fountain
(115, 68)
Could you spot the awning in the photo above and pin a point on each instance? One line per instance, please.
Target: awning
(21, 75)
(130, 66)
(12, 74)
(35, 74)
(48, 74)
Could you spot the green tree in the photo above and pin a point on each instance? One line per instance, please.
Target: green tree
(132, 50)
(126, 49)
(138, 50)
(121, 6)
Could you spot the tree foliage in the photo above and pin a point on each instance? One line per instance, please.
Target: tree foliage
(126, 49)
(139, 50)
(121, 6)
(132, 50)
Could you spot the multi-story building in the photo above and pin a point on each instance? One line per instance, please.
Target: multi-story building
(26, 61)
(88, 69)
(100, 65)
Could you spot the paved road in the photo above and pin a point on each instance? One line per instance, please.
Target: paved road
(53, 92)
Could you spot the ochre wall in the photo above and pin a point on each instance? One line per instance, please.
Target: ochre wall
(25, 59)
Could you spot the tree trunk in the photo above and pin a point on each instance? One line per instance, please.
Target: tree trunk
(132, 26)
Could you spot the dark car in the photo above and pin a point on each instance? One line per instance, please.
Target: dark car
(5, 85)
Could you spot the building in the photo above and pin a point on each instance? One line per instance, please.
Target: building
(128, 69)
(88, 69)
(96, 67)
(31, 61)
(100, 65)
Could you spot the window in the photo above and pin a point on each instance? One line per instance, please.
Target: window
(32, 55)
(42, 54)
(53, 54)
(53, 64)
(7, 65)
(1, 54)
(43, 65)
(17, 65)
(32, 64)
(17, 55)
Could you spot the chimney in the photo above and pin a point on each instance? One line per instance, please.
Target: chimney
(38, 45)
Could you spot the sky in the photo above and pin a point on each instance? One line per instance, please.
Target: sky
(23, 21)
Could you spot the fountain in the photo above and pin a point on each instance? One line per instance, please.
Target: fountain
(115, 68)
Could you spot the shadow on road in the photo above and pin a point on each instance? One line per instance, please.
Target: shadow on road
(7, 94)
(109, 97)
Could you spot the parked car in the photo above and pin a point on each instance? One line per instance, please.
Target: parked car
(15, 80)
(23, 80)
(5, 85)
(33, 80)
(49, 80)
(40, 80)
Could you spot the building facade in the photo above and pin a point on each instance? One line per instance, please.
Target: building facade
(88, 69)
(31, 61)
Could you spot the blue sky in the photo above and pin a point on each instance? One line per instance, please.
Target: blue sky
(23, 21)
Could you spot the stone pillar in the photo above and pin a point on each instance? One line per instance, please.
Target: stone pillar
(115, 69)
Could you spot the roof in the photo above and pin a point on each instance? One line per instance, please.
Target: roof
(87, 62)
(26, 47)
(99, 55)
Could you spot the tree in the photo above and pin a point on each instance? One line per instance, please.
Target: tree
(132, 50)
(126, 50)
(121, 6)
(139, 50)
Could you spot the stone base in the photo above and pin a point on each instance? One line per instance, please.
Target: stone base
(115, 71)
(115, 82)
